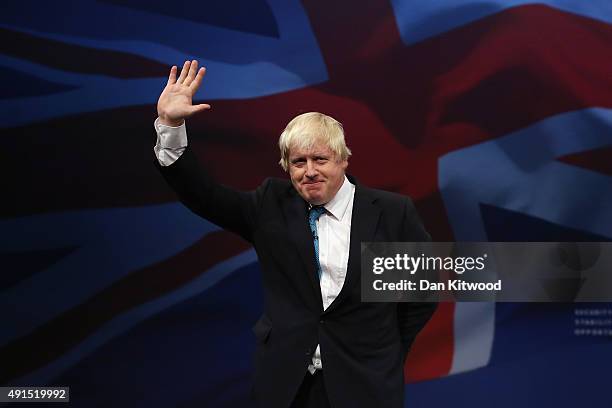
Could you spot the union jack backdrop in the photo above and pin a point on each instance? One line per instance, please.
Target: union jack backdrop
(495, 116)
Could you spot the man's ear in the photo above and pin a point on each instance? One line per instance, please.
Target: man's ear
(344, 164)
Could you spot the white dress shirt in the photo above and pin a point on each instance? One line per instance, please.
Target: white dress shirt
(334, 230)
(333, 226)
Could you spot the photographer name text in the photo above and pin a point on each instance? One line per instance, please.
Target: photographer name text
(426, 285)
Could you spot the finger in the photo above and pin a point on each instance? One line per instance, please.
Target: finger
(193, 69)
(199, 108)
(184, 72)
(198, 80)
(172, 76)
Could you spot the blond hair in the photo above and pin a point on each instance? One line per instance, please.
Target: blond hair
(305, 130)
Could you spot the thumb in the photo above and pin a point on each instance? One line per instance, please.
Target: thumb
(199, 108)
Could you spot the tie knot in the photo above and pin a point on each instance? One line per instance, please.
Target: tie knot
(315, 212)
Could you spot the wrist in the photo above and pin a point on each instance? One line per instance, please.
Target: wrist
(163, 120)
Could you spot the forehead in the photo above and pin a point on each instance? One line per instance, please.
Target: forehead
(317, 148)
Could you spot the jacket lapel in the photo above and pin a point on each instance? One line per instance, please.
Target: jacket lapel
(299, 231)
(363, 227)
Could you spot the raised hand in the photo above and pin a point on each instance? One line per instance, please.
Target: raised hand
(176, 100)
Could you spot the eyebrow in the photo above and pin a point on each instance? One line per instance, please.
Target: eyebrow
(313, 154)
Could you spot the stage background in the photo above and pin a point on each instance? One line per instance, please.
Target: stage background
(494, 116)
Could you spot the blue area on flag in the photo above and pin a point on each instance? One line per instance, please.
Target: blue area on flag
(495, 116)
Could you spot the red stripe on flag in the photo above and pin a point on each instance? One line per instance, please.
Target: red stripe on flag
(431, 355)
(599, 160)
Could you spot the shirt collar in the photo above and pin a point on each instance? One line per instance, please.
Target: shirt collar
(338, 205)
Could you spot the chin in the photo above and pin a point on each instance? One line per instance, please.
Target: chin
(314, 200)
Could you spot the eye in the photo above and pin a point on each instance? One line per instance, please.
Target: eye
(321, 159)
(298, 162)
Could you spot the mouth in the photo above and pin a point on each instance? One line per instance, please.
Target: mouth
(311, 184)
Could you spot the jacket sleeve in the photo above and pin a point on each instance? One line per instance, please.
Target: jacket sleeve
(412, 316)
(229, 209)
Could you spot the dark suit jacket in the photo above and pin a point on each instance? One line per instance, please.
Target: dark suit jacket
(363, 345)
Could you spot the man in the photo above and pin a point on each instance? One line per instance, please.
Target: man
(318, 345)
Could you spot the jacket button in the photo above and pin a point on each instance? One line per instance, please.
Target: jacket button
(322, 321)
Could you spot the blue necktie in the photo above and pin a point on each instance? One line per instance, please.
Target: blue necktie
(313, 215)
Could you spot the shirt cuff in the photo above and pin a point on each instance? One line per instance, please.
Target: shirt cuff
(171, 137)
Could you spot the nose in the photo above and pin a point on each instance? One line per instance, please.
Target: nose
(311, 171)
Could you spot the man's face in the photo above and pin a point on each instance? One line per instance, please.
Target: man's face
(316, 173)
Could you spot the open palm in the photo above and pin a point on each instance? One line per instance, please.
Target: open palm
(176, 100)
